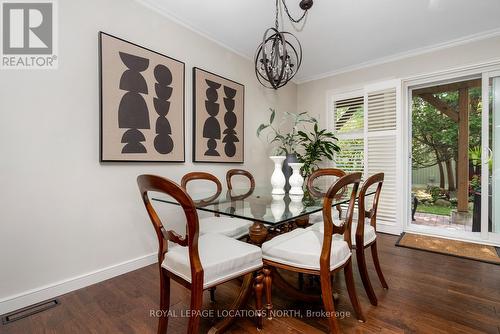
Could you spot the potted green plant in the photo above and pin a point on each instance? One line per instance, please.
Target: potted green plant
(285, 135)
(317, 145)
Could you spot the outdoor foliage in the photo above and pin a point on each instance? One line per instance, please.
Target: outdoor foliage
(435, 136)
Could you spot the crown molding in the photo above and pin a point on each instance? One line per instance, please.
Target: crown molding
(402, 55)
(379, 61)
(188, 25)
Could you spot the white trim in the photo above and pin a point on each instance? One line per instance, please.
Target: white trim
(406, 138)
(390, 229)
(169, 15)
(26, 298)
(474, 69)
(485, 172)
(360, 134)
(493, 237)
(402, 55)
(365, 134)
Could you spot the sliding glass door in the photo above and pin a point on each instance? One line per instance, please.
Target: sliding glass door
(490, 163)
(455, 158)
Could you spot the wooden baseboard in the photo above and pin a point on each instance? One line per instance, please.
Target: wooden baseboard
(29, 297)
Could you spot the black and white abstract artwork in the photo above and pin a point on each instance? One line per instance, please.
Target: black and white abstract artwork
(142, 103)
(218, 118)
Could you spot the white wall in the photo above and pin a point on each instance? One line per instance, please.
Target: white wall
(62, 213)
(312, 95)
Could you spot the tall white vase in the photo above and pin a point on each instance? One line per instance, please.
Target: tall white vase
(296, 180)
(296, 206)
(278, 178)
(278, 206)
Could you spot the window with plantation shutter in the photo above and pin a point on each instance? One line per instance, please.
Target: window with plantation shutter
(382, 147)
(367, 123)
(349, 129)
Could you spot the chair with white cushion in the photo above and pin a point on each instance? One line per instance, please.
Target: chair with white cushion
(311, 252)
(198, 262)
(365, 235)
(229, 226)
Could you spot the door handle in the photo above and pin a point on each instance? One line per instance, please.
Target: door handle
(490, 156)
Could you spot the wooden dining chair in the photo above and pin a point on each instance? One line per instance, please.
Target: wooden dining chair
(229, 226)
(310, 251)
(235, 172)
(317, 217)
(198, 262)
(365, 235)
(234, 198)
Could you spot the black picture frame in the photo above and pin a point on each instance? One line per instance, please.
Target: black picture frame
(195, 111)
(101, 108)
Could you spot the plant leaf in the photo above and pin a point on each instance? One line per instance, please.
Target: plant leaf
(260, 128)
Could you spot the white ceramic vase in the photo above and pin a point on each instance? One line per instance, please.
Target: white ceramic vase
(296, 180)
(296, 206)
(278, 178)
(278, 206)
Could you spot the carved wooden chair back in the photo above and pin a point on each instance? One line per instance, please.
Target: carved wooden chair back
(344, 228)
(234, 172)
(372, 212)
(193, 176)
(324, 172)
(153, 183)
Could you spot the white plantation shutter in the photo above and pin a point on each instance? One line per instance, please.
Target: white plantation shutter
(382, 147)
(351, 156)
(349, 128)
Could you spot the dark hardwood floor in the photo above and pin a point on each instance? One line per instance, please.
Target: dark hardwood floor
(429, 293)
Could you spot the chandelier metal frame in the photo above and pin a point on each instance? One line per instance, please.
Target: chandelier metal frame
(279, 56)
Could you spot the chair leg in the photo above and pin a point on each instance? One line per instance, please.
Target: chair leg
(377, 265)
(258, 287)
(196, 304)
(212, 294)
(268, 284)
(351, 289)
(363, 272)
(164, 301)
(327, 297)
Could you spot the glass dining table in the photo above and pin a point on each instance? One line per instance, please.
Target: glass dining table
(270, 214)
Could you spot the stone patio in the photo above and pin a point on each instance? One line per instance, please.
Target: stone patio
(438, 221)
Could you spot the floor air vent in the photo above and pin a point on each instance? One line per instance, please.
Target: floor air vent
(29, 310)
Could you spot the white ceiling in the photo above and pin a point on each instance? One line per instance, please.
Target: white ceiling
(340, 34)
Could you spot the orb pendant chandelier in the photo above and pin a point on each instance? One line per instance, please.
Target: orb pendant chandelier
(279, 56)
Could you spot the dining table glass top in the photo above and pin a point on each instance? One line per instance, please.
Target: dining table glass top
(258, 204)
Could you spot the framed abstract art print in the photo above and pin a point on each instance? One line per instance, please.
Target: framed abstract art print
(141, 103)
(218, 121)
